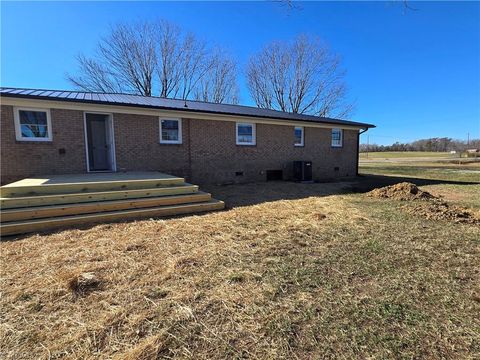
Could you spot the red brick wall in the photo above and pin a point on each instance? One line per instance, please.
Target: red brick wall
(137, 146)
(215, 154)
(208, 154)
(20, 159)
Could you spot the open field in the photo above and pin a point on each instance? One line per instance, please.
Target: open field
(421, 165)
(290, 271)
(406, 154)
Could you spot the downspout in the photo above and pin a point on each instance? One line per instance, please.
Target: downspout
(358, 148)
(189, 151)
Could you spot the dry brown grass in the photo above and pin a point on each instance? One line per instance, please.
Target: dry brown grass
(342, 276)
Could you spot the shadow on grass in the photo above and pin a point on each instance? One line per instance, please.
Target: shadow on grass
(257, 193)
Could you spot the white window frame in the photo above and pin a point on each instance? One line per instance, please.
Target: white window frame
(341, 138)
(254, 134)
(18, 127)
(179, 141)
(302, 143)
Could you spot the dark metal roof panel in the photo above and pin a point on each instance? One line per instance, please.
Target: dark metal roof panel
(72, 95)
(38, 93)
(80, 96)
(171, 104)
(26, 92)
(64, 94)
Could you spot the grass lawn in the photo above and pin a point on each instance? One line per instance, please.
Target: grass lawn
(290, 271)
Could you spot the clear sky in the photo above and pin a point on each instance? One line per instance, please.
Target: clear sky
(415, 74)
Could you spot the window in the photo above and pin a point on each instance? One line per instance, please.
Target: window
(33, 124)
(245, 134)
(337, 137)
(170, 131)
(298, 131)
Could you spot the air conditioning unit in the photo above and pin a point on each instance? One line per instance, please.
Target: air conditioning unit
(302, 171)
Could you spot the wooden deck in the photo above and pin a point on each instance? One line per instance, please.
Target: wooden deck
(88, 182)
(91, 178)
(47, 202)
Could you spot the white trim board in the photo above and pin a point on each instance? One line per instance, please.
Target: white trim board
(166, 113)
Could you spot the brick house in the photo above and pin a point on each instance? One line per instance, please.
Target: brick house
(63, 132)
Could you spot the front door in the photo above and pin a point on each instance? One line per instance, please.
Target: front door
(99, 144)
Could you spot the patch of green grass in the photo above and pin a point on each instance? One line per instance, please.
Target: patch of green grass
(157, 293)
(236, 278)
(463, 195)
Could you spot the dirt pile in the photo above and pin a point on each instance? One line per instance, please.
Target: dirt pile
(434, 208)
(402, 191)
(440, 210)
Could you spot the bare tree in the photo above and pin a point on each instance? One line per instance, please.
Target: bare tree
(219, 85)
(145, 57)
(193, 63)
(94, 76)
(299, 77)
(125, 61)
(182, 61)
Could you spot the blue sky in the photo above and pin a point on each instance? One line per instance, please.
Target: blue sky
(415, 74)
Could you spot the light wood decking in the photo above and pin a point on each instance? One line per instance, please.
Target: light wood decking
(39, 204)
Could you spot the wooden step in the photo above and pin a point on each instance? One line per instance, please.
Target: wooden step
(58, 199)
(50, 211)
(20, 227)
(31, 187)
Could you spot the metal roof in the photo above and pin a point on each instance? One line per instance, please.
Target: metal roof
(152, 102)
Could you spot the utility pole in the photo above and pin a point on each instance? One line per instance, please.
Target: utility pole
(468, 139)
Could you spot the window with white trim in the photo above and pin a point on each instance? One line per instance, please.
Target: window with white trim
(299, 136)
(246, 134)
(32, 124)
(337, 137)
(170, 131)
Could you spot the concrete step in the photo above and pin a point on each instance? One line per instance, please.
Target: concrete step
(26, 226)
(39, 212)
(72, 184)
(58, 199)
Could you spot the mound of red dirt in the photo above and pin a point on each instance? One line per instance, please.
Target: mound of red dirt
(440, 210)
(402, 191)
(434, 208)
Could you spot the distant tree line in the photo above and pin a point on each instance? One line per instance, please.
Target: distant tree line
(432, 144)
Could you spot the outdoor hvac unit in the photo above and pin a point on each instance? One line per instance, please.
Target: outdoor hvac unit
(302, 170)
